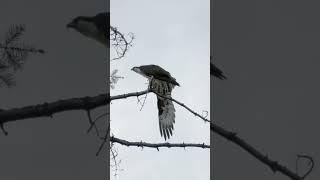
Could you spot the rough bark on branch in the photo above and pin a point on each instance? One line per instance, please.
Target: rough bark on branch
(137, 94)
(83, 103)
(48, 109)
(156, 145)
(273, 165)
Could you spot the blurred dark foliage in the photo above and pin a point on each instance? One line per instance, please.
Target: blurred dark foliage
(13, 54)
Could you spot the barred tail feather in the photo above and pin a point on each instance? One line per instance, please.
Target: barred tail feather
(166, 116)
(162, 87)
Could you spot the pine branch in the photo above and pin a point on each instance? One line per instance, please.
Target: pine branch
(14, 33)
(6, 79)
(24, 48)
(13, 54)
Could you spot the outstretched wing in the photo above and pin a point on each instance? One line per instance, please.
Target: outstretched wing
(166, 113)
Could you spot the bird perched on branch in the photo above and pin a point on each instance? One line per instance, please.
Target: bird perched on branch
(96, 27)
(161, 82)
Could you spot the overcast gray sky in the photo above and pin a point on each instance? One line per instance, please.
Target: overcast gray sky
(74, 66)
(175, 35)
(270, 52)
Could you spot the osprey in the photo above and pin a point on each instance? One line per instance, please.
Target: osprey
(161, 82)
(96, 27)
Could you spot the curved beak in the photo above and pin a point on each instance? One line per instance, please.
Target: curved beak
(71, 25)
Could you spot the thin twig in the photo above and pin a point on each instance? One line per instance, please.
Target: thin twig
(95, 121)
(104, 140)
(310, 159)
(121, 44)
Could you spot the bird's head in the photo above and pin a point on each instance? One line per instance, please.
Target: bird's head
(74, 23)
(94, 27)
(138, 70)
(78, 22)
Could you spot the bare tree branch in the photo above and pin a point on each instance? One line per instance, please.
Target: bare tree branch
(156, 145)
(23, 49)
(120, 43)
(137, 94)
(48, 109)
(83, 103)
(273, 165)
(104, 140)
(116, 163)
(124, 96)
(311, 163)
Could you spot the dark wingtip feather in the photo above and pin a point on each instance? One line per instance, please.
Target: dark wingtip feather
(217, 72)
